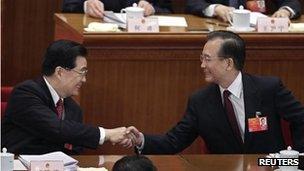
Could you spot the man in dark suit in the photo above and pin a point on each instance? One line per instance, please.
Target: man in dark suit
(226, 113)
(42, 117)
(96, 8)
(222, 8)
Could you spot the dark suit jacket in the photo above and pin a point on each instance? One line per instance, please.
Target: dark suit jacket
(205, 117)
(31, 125)
(197, 6)
(76, 6)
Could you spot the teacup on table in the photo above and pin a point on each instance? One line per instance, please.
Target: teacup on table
(289, 153)
(133, 12)
(240, 19)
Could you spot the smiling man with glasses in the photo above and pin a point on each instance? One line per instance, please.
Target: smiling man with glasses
(227, 112)
(42, 117)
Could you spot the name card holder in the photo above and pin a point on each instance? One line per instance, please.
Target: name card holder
(46, 165)
(143, 25)
(272, 24)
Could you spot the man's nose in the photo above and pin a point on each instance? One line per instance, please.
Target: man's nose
(84, 79)
(203, 64)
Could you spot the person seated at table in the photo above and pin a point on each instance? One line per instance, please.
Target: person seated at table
(134, 163)
(226, 113)
(96, 8)
(223, 9)
(41, 115)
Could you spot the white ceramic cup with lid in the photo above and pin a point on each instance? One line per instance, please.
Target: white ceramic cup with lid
(289, 153)
(7, 160)
(133, 12)
(240, 19)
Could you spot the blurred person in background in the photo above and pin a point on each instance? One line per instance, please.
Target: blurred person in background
(222, 9)
(96, 8)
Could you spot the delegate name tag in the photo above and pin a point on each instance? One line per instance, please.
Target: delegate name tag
(272, 24)
(257, 124)
(46, 165)
(143, 25)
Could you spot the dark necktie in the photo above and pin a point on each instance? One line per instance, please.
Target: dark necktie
(231, 116)
(59, 108)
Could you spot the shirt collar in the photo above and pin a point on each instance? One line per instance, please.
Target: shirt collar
(236, 87)
(54, 94)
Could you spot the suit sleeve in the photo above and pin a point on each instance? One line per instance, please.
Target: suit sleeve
(293, 4)
(29, 112)
(162, 6)
(177, 139)
(293, 112)
(196, 7)
(72, 6)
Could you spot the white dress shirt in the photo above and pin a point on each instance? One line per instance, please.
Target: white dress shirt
(56, 97)
(237, 100)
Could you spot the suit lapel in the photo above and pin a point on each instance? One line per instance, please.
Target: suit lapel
(47, 93)
(252, 102)
(67, 109)
(216, 106)
(67, 101)
(220, 118)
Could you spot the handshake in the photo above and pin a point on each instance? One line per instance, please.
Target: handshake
(126, 137)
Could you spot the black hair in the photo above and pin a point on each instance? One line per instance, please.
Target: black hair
(61, 53)
(134, 163)
(233, 46)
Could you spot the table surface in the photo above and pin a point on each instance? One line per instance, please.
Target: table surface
(196, 25)
(183, 162)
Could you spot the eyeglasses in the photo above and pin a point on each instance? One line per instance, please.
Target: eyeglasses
(207, 59)
(82, 72)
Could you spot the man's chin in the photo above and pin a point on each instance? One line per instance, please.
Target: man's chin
(208, 79)
(75, 93)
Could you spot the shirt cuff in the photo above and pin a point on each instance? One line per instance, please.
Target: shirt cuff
(209, 11)
(292, 13)
(141, 147)
(85, 7)
(102, 135)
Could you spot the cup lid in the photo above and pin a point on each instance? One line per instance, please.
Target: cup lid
(4, 153)
(289, 151)
(241, 10)
(137, 9)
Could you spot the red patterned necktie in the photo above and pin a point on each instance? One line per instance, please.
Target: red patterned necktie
(59, 108)
(231, 116)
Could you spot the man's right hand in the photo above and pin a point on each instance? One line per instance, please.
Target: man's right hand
(282, 13)
(136, 136)
(223, 12)
(115, 135)
(95, 8)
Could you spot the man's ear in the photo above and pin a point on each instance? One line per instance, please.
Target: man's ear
(58, 72)
(230, 64)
